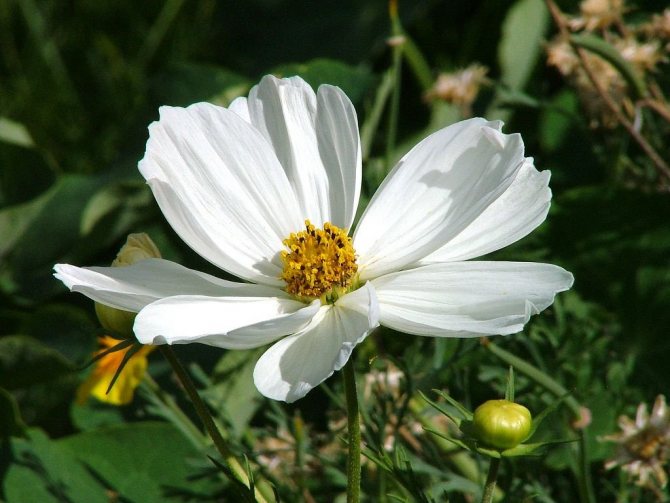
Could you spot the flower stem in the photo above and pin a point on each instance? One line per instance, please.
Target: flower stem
(354, 427)
(205, 416)
(490, 487)
(397, 50)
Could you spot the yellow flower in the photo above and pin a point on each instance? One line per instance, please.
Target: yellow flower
(138, 247)
(105, 368)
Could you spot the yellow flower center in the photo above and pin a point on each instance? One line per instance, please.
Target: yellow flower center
(320, 263)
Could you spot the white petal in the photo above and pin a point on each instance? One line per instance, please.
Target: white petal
(466, 299)
(436, 190)
(316, 141)
(244, 254)
(298, 363)
(241, 108)
(517, 212)
(133, 287)
(222, 189)
(226, 322)
(340, 149)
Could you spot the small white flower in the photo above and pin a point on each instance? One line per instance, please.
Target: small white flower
(238, 186)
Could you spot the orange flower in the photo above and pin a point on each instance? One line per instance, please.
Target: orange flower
(105, 368)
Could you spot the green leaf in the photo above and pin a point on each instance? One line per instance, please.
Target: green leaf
(46, 472)
(558, 119)
(537, 420)
(186, 83)
(441, 410)
(605, 50)
(233, 391)
(15, 221)
(127, 199)
(140, 461)
(94, 414)
(354, 81)
(25, 361)
(533, 449)
(15, 133)
(453, 440)
(11, 423)
(34, 235)
(523, 31)
(467, 415)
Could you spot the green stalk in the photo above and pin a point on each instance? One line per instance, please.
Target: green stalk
(392, 132)
(171, 411)
(371, 123)
(158, 30)
(354, 428)
(490, 487)
(418, 64)
(201, 409)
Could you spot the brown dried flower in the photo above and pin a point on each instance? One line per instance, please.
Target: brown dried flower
(644, 56)
(597, 14)
(644, 445)
(460, 87)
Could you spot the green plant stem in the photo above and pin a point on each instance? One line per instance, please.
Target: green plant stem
(369, 127)
(586, 492)
(536, 375)
(158, 30)
(490, 487)
(171, 411)
(201, 409)
(354, 427)
(392, 132)
(418, 64)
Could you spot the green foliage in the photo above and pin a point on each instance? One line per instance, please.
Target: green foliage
(78, 88)
(135, 462)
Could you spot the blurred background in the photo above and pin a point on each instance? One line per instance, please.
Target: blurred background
(81, 80)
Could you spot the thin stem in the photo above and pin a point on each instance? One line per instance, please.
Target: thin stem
(371, 123)
(398, 46)
(158, 30)
(490, 487)
(535, 374)
(354, 427)
(201, 409)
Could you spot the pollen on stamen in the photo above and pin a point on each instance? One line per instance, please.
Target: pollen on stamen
(319, 261)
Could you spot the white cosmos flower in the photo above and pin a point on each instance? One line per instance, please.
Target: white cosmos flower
(236, 182)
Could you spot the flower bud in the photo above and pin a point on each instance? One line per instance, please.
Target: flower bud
(502, 424)
(138, 247)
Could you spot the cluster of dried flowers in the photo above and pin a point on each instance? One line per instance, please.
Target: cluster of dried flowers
(643, 46)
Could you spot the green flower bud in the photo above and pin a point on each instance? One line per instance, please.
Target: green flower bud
(138, 247)
(502, 424)
(115, 320)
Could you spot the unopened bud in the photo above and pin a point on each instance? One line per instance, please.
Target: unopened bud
(502, 424)
(138, 247)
